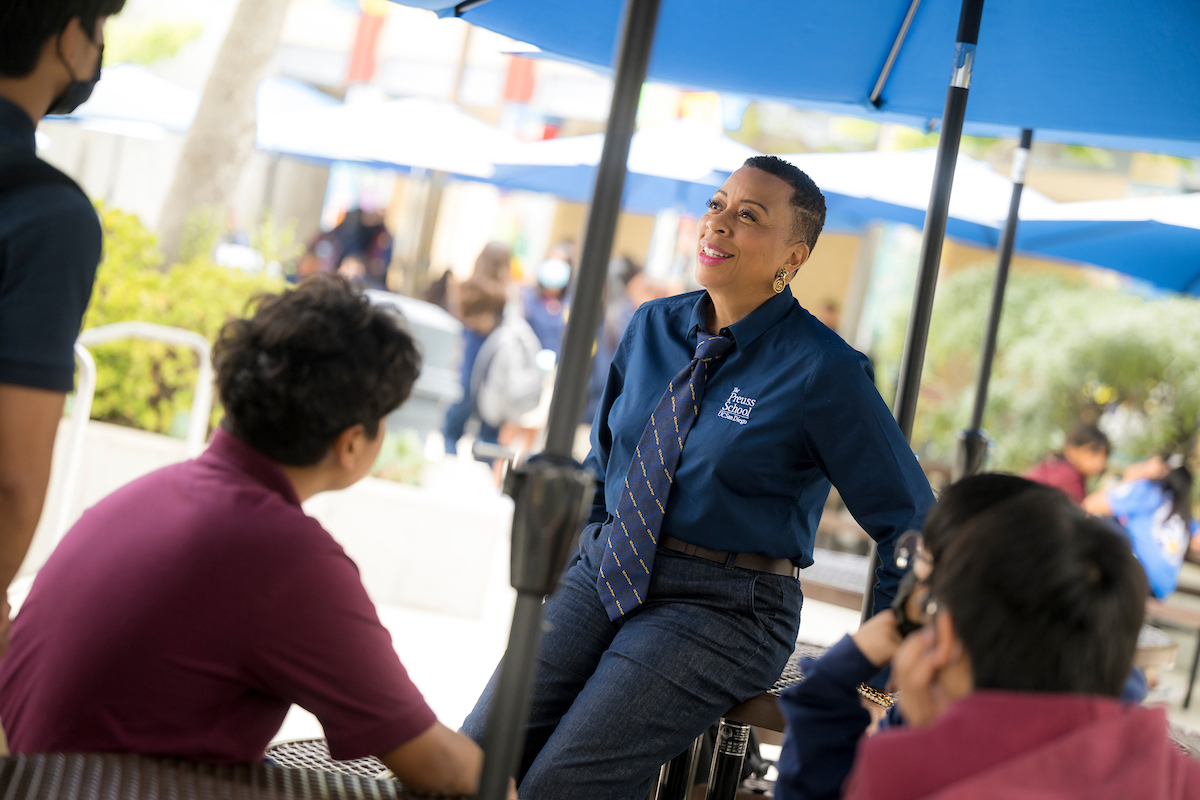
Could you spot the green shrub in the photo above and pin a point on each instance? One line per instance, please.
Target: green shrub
(147, 43)
(149, 385)
(401, 458)
(1068, 351)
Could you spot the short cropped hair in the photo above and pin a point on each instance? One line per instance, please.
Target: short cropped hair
(963, 500)
(1089, 436)
(25, 25)
(1044, 597)
(808, 204)
(310, 363)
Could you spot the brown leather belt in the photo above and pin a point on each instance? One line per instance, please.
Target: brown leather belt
(775, 566)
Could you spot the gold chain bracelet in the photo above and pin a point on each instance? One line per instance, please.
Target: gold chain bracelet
(875, 696)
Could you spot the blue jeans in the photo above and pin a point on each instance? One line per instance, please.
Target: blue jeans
(461, 412)
(613, 701)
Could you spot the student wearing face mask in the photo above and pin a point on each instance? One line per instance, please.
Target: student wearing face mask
(50, 54)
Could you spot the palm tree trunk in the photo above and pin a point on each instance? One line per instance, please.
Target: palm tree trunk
(222, 134)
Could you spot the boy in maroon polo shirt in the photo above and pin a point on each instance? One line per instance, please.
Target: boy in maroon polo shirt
(184, 613)
(1085, 455)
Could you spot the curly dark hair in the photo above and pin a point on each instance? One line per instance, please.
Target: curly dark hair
(310, 363)
(808, 204)
(25, 25)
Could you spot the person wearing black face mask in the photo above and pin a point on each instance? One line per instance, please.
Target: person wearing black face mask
(50, 238)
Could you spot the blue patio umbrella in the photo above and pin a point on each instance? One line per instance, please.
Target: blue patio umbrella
(1156, 239)
(676, 165)
(394, 134)
(1091, 66)
(1075, 70)
(861, 188)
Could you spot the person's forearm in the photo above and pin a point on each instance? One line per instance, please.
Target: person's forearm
(439, 760)
(29, 421)
(20, 509)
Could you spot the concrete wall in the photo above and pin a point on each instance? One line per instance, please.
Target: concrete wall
(633, 231)
(826, 275)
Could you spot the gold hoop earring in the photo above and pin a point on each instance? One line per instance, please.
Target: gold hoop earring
(780, 281)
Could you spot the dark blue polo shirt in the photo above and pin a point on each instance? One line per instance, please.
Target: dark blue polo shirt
(49, 250)
(792, 409)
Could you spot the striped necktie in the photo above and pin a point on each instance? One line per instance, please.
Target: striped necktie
(633, 536)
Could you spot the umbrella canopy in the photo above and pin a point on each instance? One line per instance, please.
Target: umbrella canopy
(278, 95)
(1063, 68)
(401, 134)
(864, 187)
(677, 165)
(131, 100)
(1156, 239)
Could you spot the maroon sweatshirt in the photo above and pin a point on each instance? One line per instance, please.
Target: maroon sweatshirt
(994, 745)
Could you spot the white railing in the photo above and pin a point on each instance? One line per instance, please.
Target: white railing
(81, 412)
(203, 397)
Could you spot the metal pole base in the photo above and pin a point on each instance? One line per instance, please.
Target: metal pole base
(677, 775)
(973, 447)
(728, 757)
(1187, 700)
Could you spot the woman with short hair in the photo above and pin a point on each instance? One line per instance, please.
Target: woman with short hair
(726, 416)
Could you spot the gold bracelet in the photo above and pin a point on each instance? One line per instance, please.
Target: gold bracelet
(875, 696)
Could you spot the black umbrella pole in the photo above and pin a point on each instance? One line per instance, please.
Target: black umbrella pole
(973, 442)
(551, 492)
(504, 743)
(953, 115)
(570, 387)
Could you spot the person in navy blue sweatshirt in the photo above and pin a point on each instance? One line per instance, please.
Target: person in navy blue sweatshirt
(825, 714)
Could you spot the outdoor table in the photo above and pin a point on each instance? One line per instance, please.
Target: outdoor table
(1182, 617)
(1154, 649)
(1186, 740)
(762, 711)
(107, 776)
(314, 754)
(836, 578)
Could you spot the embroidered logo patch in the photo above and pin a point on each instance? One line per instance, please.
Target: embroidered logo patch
(737, 408)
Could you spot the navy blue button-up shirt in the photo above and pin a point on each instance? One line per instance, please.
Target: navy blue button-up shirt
(789, 411)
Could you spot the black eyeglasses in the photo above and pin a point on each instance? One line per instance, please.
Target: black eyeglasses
(909, 551)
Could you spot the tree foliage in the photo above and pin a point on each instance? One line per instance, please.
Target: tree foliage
(146, 43)
(146, 384)
(1068, 351)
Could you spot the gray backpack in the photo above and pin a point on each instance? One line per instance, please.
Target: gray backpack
(506, 380)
